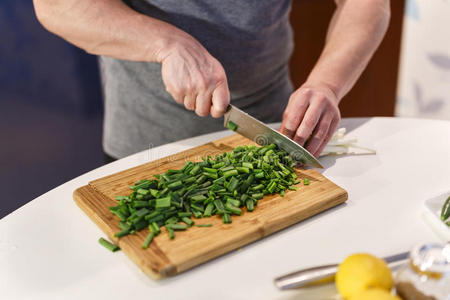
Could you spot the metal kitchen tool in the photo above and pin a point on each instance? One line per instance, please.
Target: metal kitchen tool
(325, 274)
(262, 134)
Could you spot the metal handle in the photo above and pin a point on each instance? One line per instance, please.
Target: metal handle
(305, 277)
(325, 274)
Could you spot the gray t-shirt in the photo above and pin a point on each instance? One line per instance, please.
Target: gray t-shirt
(252, 39)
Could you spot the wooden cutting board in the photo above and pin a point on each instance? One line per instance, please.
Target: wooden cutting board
(197, 245)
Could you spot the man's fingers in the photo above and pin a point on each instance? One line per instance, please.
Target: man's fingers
(189, 101)
(295, 112)
(220, 100)
(333, 126)
(309, 122)
(203, 104)
(320, 133)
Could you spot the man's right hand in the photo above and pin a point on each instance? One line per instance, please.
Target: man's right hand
(194, 78)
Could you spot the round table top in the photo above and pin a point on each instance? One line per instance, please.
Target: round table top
(49, 248)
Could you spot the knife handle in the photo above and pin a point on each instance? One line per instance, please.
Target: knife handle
(307, 277)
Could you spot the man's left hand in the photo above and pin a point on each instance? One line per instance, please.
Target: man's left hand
(311, 117)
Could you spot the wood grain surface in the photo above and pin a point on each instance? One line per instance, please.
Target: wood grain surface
(196, 245)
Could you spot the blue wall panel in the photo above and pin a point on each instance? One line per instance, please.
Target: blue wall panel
(50, 108)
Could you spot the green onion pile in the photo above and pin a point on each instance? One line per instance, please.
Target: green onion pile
(222, 185)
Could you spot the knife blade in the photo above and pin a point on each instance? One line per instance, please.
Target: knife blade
(325, 274)
(262, 134)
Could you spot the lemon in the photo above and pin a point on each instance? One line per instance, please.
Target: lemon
(374, 294)
(361, 271)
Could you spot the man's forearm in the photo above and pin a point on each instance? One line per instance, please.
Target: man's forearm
(355, 32)
(107, 27)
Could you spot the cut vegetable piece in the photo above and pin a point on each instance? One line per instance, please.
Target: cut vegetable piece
(226, 218)
(177, 226)
(258, 196)
(148, 240)
(184, 214)
(108, 245)
(230, 173)
(154, 227)
(208, 210)
(232, 126)
(235, 210)
(247, 165)
(123, 233)
(445, 212)
(171, 233)
(249, 204)
(163, 202)
(188, 221)
(195, 170)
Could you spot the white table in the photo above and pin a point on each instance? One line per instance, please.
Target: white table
(49, 249)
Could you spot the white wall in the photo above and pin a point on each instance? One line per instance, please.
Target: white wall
(424, 78)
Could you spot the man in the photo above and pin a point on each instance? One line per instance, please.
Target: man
(161, 55)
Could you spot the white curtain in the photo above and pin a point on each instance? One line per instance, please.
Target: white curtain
(424, 77)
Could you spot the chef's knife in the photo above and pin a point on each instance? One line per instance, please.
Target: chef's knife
(262, 134)
(325, 274)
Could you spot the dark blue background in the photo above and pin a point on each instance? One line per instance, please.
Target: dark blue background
(50, 108)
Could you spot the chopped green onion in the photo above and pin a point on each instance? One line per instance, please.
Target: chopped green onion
(234, 202)
(177, 226)
(220, 185)
(249, 204)
(197, 198)
(232, 126)
(175, 185)
(108, 245)
(184, 214)
(247, 165)
(234, 182)
(171, 233)
(258, 196)
(195, 170)
(162, 202)
(243, 170)
(235, 210)
(123, 233)
(218, 165)
(148, 240)
(142, 212)
(208, 210)
(226, 219)
(230, 173)
(188, 221)
(210, 170)
(154, 227)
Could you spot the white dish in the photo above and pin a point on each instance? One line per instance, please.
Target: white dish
(432, 215)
